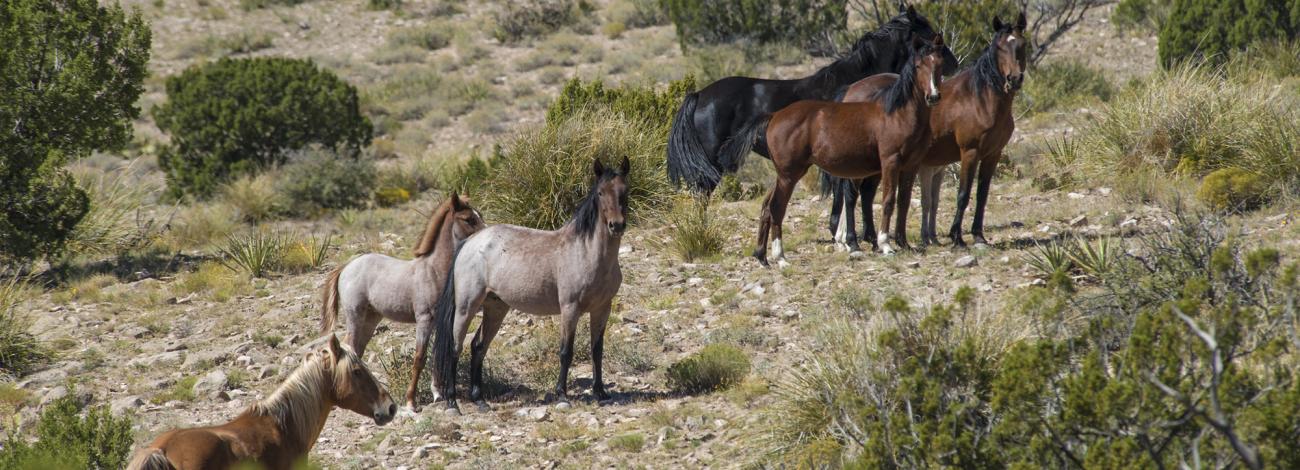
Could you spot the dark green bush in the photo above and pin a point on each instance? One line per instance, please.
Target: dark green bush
(716, 367)
(801, 22)
(520, 20)
(1210, 30)
(1057, 85)
(237, 116)
(1233, 189)
(59, 101)
(645, 103)
(66, 440)
(316, 179)
(1140, 14)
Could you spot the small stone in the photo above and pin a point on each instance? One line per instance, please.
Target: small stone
(125, 404)
(539, 413)
(267, 372)
(1016, 224)
(420, 453)
(1004, 259)
(181, 300)
(859, 254)
(914, 264)
(564, 405)
(1104, 191)
(695, 281)
(243, 361)
(965, 261)
(1129, 222)
(166, 359)
(1075, 196)
(1079, 221)
(754, 288)
(386, 446)
(211, 384)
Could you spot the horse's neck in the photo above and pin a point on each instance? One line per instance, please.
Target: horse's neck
(299, 407)
(441, 254)
(597, 247)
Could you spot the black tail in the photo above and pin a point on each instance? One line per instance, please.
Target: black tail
(738, 146)
(688, 161)
(444, 321)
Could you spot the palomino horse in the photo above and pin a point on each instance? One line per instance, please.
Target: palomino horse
(972, 125)
(564, 272)
(279, 431)
(886, 135)
(708, 118)
(373, 286)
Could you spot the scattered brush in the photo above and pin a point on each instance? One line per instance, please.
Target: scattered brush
(1094, 258)
(716, 367)
(116, 222)
(20, 350)
(304, 254)
(694, 233)
(256, 253)
(1049, 259)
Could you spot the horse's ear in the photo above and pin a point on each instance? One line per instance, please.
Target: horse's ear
(1021, 22)
(335, 349)
(997, 23)
(598, 168)
(456, 205)
(911, 13)
(626, 167)
(917, 43)
(902, 6)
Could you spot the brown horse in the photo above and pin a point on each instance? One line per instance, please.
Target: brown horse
(279, 431)
(972, 125)
(886, 135)
(373, 286)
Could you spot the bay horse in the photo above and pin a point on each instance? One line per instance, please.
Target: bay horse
(972, 126)
(716, 114)
(374, 286)
(886, 135)
(564, 272)
(278, 431)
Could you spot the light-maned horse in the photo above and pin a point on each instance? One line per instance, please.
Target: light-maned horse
(709, 118)
(565, 272)
(373, 286)
(278, 431)
(886, 135)
(972, 125)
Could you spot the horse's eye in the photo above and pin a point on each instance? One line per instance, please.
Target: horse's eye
(358, 372)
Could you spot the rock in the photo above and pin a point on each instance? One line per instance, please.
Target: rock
(175, 346)
(243, 361)
(539, 413)
(1129, 222)
(83, 397)
(211, 384)
(914, 264)
(857, 254)
(420, 453)
(181, 300)
(1075, 196)
(267, 372)
(695, 281)
(386, 446)
(165, 359)
(125, 404)
(754, 289)
(625, 249)
(1016, 224)
(134, 331)
(1079, 221)
(965, 261)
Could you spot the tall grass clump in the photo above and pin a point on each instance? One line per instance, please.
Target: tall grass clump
(520, 20)
(64, 439)
(716, 367)
(254, 197)
(1061, 84)
(256, 253)
(117, 221)
(1190, 121)
(695, 232)
(20, 350)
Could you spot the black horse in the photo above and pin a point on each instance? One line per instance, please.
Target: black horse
(709, 118)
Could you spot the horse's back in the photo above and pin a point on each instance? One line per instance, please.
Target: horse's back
(515, 263)
(378, 281)
(188, 449)
(867, 88)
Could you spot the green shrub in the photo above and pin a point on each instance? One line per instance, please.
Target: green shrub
(638, 103)
(637, 13)
(695, 232)
(59, 101)
(256, 253)
(801, 22)
(236, 116)
(631, 442)
(731, 189)
(115, 222)
(299, 255)
(1233, 189)
(532, 18)
(1210, 30)
(613, 29)
(716, 367)
(67, 440)
(317, 179)
(389, 196)
(1062, 84)
(1146, 15)
(431, 37)
(20, 350)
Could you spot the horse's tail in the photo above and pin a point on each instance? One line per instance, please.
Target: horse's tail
(738, 146)
(329, 300)
(828, 183)
(444, 321)
(688, 161)
(150, 458)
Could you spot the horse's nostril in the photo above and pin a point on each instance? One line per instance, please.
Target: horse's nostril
(392, 409)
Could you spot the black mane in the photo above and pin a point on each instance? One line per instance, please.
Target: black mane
(897, 95)
(588, 211)
(863, 60)
(985, 73)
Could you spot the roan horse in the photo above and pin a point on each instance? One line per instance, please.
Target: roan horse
(972, 125)
(564, 272)
(714, 115)
(886, 135)
(279, 431)
(375, 286)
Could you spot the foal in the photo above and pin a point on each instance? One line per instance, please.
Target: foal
(972, 125)
(373, 286)
(279, 431)
(886, 135)
(564, 272)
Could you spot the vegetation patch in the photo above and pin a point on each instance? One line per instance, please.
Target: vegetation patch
(65, 439)
(716, 367)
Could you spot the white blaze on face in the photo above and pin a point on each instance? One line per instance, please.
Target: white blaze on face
(934, 86)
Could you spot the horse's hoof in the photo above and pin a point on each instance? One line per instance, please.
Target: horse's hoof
(410, 410)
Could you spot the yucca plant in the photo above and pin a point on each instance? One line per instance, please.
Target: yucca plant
(1094, 258)
(256, 253)
(1049, 259)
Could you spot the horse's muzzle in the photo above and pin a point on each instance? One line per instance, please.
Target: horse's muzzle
(616, 228)
(385, 416)
(1014, 82)
(931, 100)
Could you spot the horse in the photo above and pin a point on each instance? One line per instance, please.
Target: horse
(972, 125)
(373, 286)
(278, 431)
(714, 115)
(886, 135)
(564, 272)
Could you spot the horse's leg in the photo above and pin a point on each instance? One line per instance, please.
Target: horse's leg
(423, 331)
(764, 221)
(469, 299)
(889, 173)
(987, 168)
(834, 223)
(599, 317)
(867, 193)
(932, 183)
(905, 181)
(494, 313)
(569, 314)
(850, 226)
(965, 178)
(360, 328)
(776, 207)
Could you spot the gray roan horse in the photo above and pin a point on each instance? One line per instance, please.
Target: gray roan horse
(375, 286)
(564, 272)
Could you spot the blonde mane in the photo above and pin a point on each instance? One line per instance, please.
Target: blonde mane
(296, 403)
(430, 237)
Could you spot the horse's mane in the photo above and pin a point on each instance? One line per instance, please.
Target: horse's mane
(588, 211)
(296, 403)
(897, 95)
(430, 236)
(866, 51)
(985, 73)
